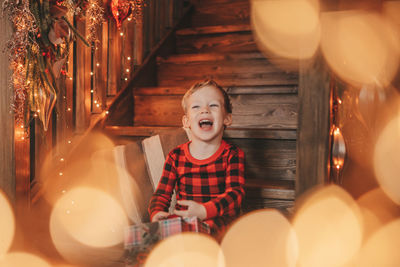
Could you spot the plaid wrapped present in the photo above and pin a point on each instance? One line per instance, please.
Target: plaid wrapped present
(140, 238)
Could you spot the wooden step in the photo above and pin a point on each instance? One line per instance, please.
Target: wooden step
(277, 111)
(146, 131)
(214, 30)
(232, 42)
(242, 69)
(221, 38)
(221, 13)
(234, 90)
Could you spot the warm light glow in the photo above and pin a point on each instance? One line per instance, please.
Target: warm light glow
(187, 249)
(91, 73)
(361, 47)
(7, 225)
(94, 218)
(382, 249)
(121, 33)
(98, 64)
(287, 28)
(387, 160)
(19, 259)
(129, 58)
(127, 70)
(378, 209)
(263, 236)
(60, 173)
(328, 227)
(91, 91)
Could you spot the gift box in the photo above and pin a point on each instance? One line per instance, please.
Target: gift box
(140, 238)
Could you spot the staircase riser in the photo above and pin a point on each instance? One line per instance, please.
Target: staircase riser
(227, 73)
(223, 43)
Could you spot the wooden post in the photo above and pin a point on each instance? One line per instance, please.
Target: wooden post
(114, 56)
(7, 171)
(313, 125)
(139, 42)
(83, 77)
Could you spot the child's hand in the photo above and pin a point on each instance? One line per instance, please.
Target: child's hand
(159, 216)
(194, 209)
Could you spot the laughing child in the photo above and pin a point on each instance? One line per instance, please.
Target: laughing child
(207, 172)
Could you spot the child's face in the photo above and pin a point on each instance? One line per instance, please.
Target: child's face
(206, 115)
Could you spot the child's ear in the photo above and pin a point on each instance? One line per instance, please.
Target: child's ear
(228, 119)
(185, 122)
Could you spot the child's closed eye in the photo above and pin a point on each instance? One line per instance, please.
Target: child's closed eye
(214, 105)
(195, 107)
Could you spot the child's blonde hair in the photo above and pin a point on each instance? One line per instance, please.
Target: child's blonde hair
(199, 85)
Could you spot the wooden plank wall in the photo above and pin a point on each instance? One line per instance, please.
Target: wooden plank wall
(7, 173)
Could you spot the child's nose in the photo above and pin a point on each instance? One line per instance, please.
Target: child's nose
(205, 109)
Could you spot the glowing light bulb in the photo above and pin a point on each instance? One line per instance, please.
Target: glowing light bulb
(129, 58)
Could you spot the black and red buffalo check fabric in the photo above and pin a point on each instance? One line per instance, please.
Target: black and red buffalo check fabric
(217, 182)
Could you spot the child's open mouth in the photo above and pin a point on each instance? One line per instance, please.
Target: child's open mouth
(205, 124)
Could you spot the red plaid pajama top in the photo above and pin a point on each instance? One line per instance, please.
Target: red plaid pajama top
(217, 182)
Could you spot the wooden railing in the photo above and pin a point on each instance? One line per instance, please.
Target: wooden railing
(94, 78)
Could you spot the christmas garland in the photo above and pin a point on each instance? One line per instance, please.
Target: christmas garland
(39, 48)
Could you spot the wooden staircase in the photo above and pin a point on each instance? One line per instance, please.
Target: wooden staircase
(218, 44)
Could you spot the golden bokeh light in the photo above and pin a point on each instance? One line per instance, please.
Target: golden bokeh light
(69, 165)
(263, 236)
(379, 208)
(91, 216)
(19, 259)
(7, 224)
(286, 28)
(187, 249)
(382, 249)
(361, 47)
(87, 227)
(387, 161)
(329, 229)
